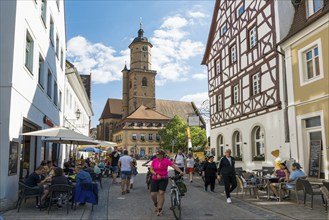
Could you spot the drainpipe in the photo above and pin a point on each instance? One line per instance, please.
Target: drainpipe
(285, 99)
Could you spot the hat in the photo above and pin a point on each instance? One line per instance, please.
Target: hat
(275, 153)
(297, 165)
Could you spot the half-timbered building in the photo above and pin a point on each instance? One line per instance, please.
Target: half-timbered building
(245, 91)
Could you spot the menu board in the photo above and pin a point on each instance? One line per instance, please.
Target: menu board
(315, 159)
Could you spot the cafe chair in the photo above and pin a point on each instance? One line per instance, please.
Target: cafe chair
(298, 187)
(86, 192)
(25, 192)
(267, 170)
(325, 193)
(245, 186)
(60, 194)
(326, 184)
(308, 190)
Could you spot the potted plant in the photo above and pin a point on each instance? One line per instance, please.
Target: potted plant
(260, 157)
(238, 158)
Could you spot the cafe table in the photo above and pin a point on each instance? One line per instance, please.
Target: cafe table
(268, 179)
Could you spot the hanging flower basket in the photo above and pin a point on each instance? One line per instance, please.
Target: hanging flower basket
(260, 157)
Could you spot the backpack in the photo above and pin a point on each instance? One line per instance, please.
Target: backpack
(176, 157)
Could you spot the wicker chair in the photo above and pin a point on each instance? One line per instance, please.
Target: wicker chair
(298, 187)
(325, 193)
(308, 189)
(245, 186)
(60, 192)
(26, 192)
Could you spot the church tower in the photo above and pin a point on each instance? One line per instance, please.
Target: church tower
(139, 81)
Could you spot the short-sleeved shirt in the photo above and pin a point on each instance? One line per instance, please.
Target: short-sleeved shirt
(293, 176)
(180, 160)
(125, 163)
(190, 162)
(280, 173)
(161, 166)
(33, 179)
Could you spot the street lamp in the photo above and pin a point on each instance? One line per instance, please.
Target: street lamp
(77, 114)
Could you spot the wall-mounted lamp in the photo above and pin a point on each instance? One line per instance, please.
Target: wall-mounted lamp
(77, 114)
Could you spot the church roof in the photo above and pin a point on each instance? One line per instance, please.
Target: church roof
(112, 109)
(165, 108)
(144, 112)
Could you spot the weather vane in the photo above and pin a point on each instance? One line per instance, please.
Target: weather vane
(140, 22)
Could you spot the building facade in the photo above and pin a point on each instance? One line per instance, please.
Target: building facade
(31, 87)
(245, 91)
(133, 122)
(306, 51)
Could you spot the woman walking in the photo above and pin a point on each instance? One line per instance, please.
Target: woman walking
(159, 171)
(209, 171)
(190, 165)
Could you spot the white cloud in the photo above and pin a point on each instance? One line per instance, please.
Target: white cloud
(200, 76)
(196, 14)
(102, 61)
(197, 98)
(171, 53)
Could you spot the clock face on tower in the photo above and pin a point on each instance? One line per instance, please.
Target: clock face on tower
(144, 48)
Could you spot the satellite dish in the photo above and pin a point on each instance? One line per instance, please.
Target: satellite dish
(296, 2)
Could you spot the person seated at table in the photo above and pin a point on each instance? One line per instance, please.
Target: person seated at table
(101, 164)
(94, 166)
(50, 171)
(82, 175)
(59, 177)
(294, 175)
(280, 175)
(67, 169)
(40, 185)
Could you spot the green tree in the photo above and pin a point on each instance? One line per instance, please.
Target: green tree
(176, 130)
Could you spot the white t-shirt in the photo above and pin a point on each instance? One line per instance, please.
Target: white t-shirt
(190, 162)
(125, 163)
(179, 160)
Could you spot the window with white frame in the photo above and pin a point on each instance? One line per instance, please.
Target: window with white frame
(220, 146)
(218, 70)
(57, 45)
(150, 150)
(237, 145)
(258, 143)
(134, 137)
(252, 37)
(312, 6)
(157, 137)
(41, 76)
(49, 82)
(236, 96)
(240, 11)
(44, 10)
(233, 54)
(29, 45)
(223, 29)
(51, 31)
(150, 137)
(60, 100)
(55, 100)
(310, 62)
(255, 84)
(220, 103)
(62, 59)
(142, 137)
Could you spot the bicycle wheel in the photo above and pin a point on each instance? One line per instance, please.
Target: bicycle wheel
(175, 204)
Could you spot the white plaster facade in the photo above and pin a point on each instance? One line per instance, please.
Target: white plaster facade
(25, 102)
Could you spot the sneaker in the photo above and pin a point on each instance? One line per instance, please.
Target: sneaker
(228, 200)
(212, 191)
(205, 189)
(286, 197)
(127, 191)
(191, 181)
(122, 193)
(273, 197)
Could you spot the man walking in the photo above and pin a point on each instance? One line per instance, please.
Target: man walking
(226, 170)
(125, 165)
(180, 161)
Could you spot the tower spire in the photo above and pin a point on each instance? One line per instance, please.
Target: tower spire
(140, 32)
(140, 23)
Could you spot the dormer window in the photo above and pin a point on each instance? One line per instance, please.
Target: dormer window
(312, 6)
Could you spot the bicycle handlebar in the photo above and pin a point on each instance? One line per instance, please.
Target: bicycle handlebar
(176, 177)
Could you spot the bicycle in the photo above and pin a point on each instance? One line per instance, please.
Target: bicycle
(148, 177)
(175, 196)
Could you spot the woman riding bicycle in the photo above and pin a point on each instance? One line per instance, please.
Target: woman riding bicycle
(159, 171)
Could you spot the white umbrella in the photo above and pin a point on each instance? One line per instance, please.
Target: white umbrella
(62, 135)
(102, 145)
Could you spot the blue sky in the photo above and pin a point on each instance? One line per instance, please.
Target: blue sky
(98, 34)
